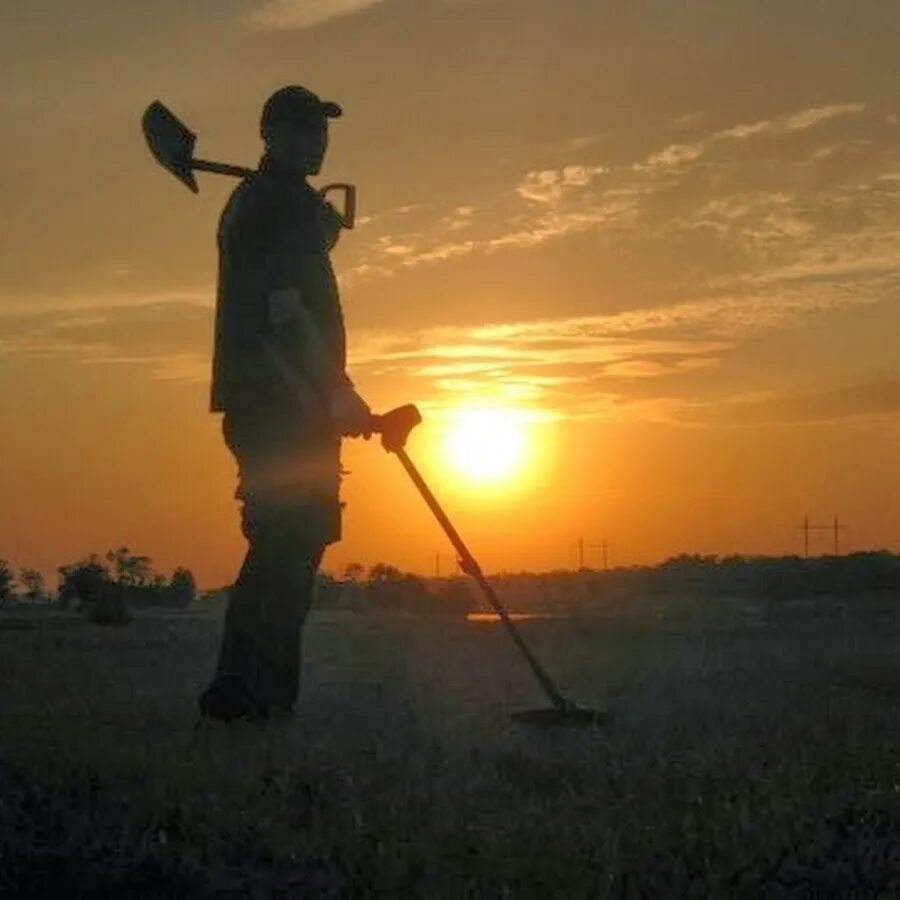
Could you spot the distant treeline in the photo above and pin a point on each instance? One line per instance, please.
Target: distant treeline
(105, 588)
(757, 577)
(385, 587)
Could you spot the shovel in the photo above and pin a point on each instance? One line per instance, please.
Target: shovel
(172, 144)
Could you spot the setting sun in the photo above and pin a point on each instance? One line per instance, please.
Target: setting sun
(487, 444)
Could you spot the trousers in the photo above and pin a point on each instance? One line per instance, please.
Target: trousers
(288, 481)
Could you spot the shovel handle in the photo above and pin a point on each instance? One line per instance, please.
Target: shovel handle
(347, 218)
(204, 165)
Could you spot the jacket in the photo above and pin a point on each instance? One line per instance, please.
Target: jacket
(275, 232)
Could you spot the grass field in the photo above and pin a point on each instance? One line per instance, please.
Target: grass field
(754, 751)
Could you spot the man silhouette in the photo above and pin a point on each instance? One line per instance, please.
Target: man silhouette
(279, 378)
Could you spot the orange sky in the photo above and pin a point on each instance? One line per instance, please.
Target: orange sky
(670, 237)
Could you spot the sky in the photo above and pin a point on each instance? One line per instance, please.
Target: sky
(665, 237)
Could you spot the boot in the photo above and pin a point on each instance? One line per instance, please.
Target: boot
(227, 699)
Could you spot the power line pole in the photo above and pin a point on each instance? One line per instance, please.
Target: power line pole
(580, 553)
(603, 547)
(836, 528)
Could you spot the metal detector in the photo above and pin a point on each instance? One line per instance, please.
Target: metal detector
(394, 428)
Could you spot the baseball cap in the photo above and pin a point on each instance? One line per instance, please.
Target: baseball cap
(298, 104)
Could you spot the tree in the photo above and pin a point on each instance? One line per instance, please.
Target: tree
(384, 573)
(89, 584)
(390, 588)
(81, 581)
(131, 570)
(33, 582)
(182, 589)
(354, 572)
(6, 581)
(328, 591)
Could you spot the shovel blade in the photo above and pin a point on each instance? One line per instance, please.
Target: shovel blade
(171, 142)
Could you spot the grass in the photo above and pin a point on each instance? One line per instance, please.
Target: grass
(748, 741)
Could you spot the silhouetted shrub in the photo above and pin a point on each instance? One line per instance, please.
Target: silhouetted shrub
(109, 607)
(6, 580)
(33, 582)
(182, 589)
(88, 587)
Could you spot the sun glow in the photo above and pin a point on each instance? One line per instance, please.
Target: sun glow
(487, 445)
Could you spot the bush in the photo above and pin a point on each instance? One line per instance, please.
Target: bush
(6, 581)
(33, 582)
(108, 607)
(182, 589)
(88, 586)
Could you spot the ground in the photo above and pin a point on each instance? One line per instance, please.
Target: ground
(754, 751)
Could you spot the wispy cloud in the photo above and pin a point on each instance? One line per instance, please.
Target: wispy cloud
(17, 306)
(728, 317)
(769, 247)
(170, 340)
(554, 203)
(676, 156)
(549, 185)
(193, 368)
(596, 365)
(799, 121)
(875, 399)
(284, 15)
(559, 368)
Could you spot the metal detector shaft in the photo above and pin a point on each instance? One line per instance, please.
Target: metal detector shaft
(470, 567)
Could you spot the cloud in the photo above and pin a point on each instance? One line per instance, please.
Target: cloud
(18, 306)
(877, 398)
(618, 210)
(554, 203)
(650, 368)
(593, 365)
(285, 15)
(672, 157)
(192, 368)
(582, 366)
(583, 142)
(729, 317)
(558, 368)
(170, 339)
(676, 156)
(799, 121)
(755, 218)
(754, 242)
(549, 185)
